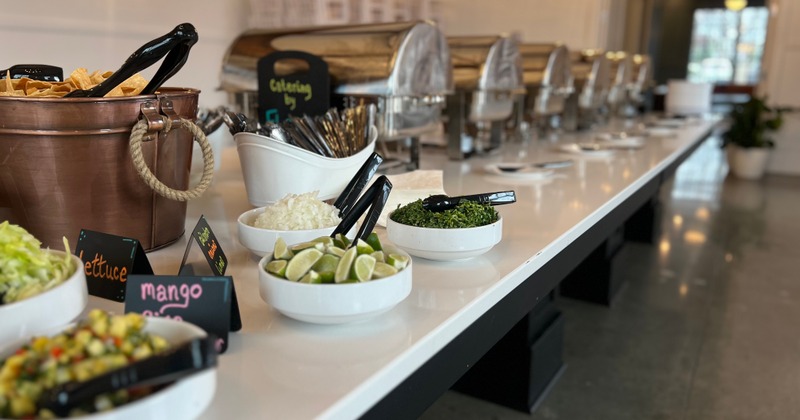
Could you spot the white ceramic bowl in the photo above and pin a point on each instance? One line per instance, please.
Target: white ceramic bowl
(334, 303)
(272, 169)
(445, 244)
(185, 399)
(51, 308)
(262, 241)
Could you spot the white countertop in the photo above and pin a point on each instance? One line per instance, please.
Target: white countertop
(277, 367)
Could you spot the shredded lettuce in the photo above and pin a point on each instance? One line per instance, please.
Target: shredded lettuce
(25, 268)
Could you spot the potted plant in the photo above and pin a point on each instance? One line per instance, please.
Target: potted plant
(748, 137)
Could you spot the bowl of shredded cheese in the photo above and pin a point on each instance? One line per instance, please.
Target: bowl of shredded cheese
(296, 218)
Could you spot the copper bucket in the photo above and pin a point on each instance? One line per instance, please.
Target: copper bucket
(65, 165)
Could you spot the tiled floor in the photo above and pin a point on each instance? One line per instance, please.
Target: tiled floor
(707, 326)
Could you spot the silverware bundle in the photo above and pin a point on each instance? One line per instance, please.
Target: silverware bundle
(334, 135)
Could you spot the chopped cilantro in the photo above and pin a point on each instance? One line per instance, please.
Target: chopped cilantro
(466, 215)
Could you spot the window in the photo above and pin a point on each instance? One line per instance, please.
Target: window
(727, 45)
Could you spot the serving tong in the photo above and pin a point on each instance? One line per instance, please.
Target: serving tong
(173, 46)
(351, 207)
(189, 358)
(441, 202)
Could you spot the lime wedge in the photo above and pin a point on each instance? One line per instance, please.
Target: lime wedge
(343, 269)
(305, 245)
(363, 267)
(327, 276)
(311, 277)
(301, 263)
(374, 242)
(281, 251)
(325, 240)
(383, 270)
(341, 241)
(335, 250)
(363, 247)
(327, 262)
(277, 267)
(397, 261)
(379, 256)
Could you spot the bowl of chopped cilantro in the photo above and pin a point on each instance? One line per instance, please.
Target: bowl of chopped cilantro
(468, 230)
(39, 288)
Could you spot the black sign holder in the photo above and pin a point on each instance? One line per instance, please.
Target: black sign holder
(217, 262)
(108, 261)
(203, 301)
(280, 96)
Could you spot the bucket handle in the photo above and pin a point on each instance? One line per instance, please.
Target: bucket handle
(141, 132)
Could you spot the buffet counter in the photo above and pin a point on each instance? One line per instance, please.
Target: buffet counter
(276, 367)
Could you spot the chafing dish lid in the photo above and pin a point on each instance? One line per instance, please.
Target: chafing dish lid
(642, 71)
(486, 63)
(591, 69)
(390, 59)
(546, 65)
(621, 68)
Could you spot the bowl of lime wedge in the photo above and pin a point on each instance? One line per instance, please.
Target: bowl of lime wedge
(333, 281)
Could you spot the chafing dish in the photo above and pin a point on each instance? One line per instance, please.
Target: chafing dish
(488, 75)
(621, 79)
(404, 68)
(591, 71)
(642, 79)
(547, 77)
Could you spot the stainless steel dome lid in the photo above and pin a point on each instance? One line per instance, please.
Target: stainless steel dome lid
(546, 65)
(486, 63)
(387, 59)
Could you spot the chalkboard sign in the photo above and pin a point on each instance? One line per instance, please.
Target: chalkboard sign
(108, 261)
(203, 301)
(299, 93)
(216, 265)
(212, 251)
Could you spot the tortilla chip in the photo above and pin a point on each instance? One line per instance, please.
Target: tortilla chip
(130, 87)
(80, 78)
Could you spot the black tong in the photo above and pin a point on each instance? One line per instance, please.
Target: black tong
(350, 193)
(441, 202)
(189, 358)
(175, 45)
(41, 72)
(373, 199)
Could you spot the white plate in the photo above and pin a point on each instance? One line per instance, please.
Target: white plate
(574, 149)
(185, 399)
(526, 172)
(670, 122)
(618, 137)
(661, 132)
(626, 143)
(47, 310)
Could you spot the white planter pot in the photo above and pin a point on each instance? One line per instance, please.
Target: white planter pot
(748, 163)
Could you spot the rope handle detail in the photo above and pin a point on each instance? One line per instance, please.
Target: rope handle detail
(137, 136)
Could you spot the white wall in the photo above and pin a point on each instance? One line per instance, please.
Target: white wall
(101, 34)
(579, 24)
(781, 84)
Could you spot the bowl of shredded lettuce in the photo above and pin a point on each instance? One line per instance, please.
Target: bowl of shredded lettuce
(39, 288)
